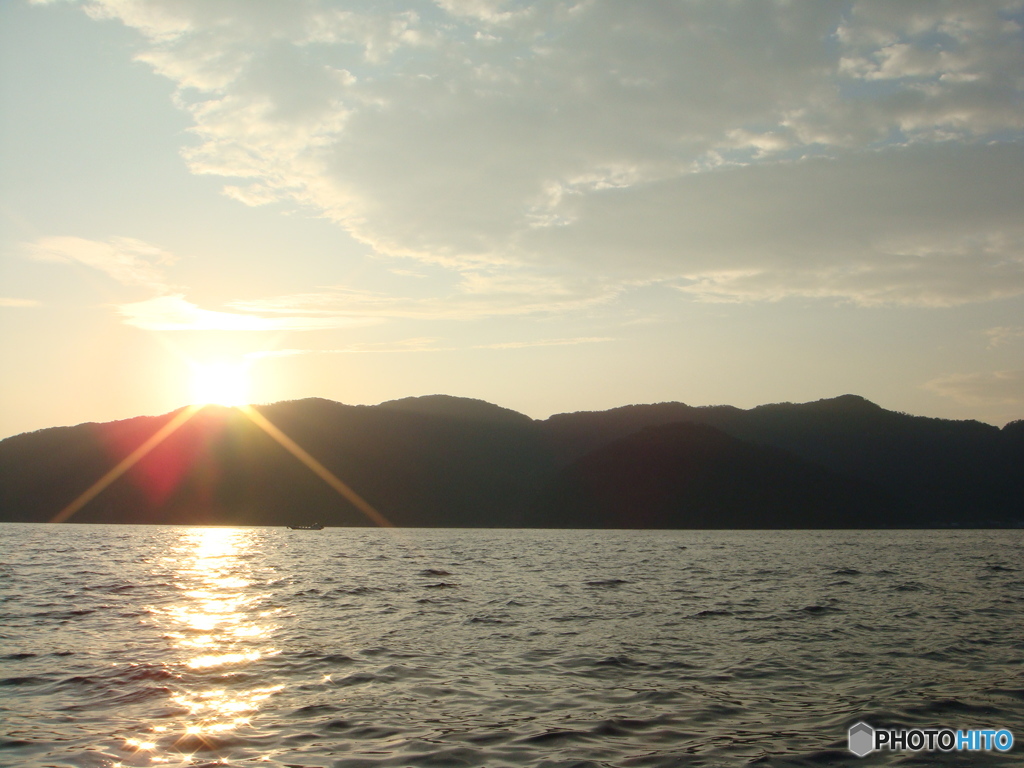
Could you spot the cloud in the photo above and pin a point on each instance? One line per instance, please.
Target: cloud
(126, 260)
(270, 353)
(477, 296)
(933, 279)
(751, 151)
(1005, 334)
(422, 344)
(547, 342)
(418, 344)
(136, 263)
(492, 11)
(995, 388)
(928, 226)
(10, 302)
(174, 313)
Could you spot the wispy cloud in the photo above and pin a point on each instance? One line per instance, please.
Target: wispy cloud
(925, 280)
(175, 313)
(136, 263)
(264, 354)
(418, 344)
(10, 302)
(126, 260)
(1004, 334)
(755, 151)
(547, 342)
(477, 296)
(423, 344)
(979, 389)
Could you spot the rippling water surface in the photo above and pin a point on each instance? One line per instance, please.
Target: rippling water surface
(138, 646)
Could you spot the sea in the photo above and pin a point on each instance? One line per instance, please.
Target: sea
(364, 647)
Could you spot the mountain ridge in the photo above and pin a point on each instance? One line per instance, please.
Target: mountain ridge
(440, 460)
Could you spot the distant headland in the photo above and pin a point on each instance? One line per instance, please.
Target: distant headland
(440, 461)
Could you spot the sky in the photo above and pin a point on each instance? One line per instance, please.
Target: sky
(553, 206)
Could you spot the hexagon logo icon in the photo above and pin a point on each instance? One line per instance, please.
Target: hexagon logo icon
(861, 739)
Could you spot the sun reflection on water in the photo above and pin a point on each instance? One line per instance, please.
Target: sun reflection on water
(218, 630)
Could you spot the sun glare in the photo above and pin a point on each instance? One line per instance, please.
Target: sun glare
(220, 384)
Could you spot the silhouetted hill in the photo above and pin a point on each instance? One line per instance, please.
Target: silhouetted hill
(462, 408)
(942, 471)
(574, 434)
(480, 467)
(440, 462)
(686, 475)
(447, 461)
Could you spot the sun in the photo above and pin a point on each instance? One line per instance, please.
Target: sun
(220, 383)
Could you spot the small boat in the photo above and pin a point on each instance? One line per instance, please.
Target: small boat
(310, 527)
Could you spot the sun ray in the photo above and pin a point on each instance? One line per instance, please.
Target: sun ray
(319, 469)
(126, 463)
(263, 423)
